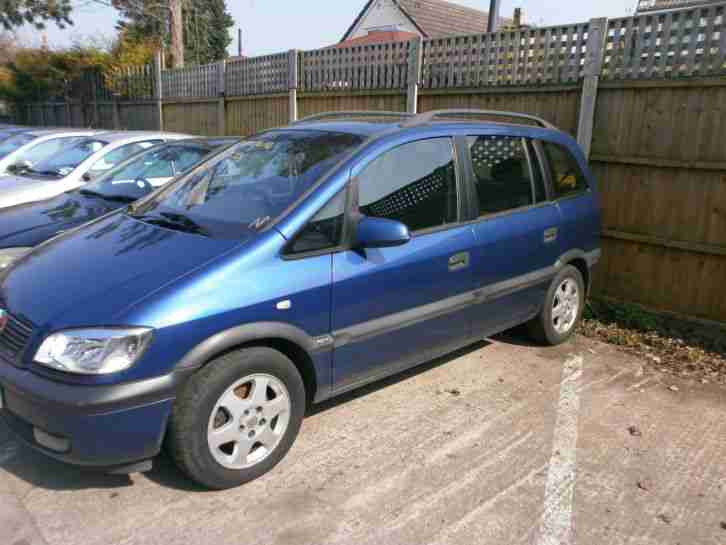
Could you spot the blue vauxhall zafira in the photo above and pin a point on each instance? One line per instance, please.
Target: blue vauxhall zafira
(295, 265)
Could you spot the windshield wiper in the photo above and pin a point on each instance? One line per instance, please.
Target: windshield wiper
(177, 222)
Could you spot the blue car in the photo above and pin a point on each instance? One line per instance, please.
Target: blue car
(291, 267)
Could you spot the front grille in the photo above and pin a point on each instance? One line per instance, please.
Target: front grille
(14, 338)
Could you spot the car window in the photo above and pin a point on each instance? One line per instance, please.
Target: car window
(567, 177)
(254, 183)
(188, 157)
(44, 150)
(325, 230)
(66, 160)
(9, 145)
(414, 183)
(120, 154)
(140, 175)
(502, 176)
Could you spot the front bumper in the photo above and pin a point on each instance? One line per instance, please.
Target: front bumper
(97, 426)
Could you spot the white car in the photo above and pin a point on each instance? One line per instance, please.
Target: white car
(27, 147)
(76, 164)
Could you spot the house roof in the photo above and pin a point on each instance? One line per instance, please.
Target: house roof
(436, 18)
(377, 37)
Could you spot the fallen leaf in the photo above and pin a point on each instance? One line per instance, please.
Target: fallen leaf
(634, 431)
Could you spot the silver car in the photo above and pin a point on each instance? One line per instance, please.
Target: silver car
(75, 165)
(26, 147)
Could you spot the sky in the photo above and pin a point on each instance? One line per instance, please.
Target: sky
(271, 26)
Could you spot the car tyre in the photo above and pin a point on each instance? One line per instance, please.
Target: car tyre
(562, 308)
(230, 398)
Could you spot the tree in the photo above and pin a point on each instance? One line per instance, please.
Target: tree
(204, 27)
(15, 13)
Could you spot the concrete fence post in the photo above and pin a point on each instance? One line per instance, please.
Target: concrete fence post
(597, 30)
(292, 82)
(158, 90)
(221, 103)
(415, 64)
(116, 114)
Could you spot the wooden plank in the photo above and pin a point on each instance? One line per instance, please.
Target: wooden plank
(707, 249)
(658, 162)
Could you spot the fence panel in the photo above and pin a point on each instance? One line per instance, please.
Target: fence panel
(315, 103)
(247, 116)
(257, 75)
(193, 117)
(659, 159)
(689, 42)
(522, 57)
(376, 66)
(192, 82)
(139, 116)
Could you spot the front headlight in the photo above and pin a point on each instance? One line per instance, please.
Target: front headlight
(94, 351)
(9, 255)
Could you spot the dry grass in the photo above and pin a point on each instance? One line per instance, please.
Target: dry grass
(672, 346)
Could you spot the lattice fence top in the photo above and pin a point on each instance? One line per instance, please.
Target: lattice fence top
(542, 55)
(192, 82)
(678, 43)
(375, 66)
(660, 45)
(258, 75)
(135, 83)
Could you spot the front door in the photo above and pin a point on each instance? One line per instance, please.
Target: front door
(396, 307)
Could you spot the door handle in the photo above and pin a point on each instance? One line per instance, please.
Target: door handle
(459, 261)
(550, 235)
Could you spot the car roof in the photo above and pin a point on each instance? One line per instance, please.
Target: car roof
(361, 128)
(373, 123)
(61, 132)
(210, 142)
(134, 136)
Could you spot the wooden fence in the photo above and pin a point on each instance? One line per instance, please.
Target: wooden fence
(645, 96)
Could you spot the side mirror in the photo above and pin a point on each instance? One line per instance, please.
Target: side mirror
(18, 167)
(380, 233)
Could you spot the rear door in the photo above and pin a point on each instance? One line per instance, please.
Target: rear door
(516, 230)
(396, 307)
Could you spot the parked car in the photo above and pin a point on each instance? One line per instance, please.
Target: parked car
(6, 134)
(25, 148)
(75, 165)
(27, 225)
(292, 267)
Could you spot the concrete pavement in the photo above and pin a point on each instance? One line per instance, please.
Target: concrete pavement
(502, 443)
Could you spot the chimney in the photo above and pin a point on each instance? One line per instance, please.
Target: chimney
(517, 18)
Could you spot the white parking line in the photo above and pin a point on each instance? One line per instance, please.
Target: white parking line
(556, 524)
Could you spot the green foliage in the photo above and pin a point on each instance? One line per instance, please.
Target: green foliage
(623, 314)
(39, 74)
(15, 13)
(206, 26)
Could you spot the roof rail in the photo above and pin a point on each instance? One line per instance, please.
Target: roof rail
(367, 113)
(428, 117)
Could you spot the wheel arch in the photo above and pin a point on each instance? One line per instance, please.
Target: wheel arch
(291, 341)
(582, 261)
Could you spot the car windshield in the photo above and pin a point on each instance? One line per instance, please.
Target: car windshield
(13, 143)
(250, 186)
(42, 150)
(67, 159)
(146, 171)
